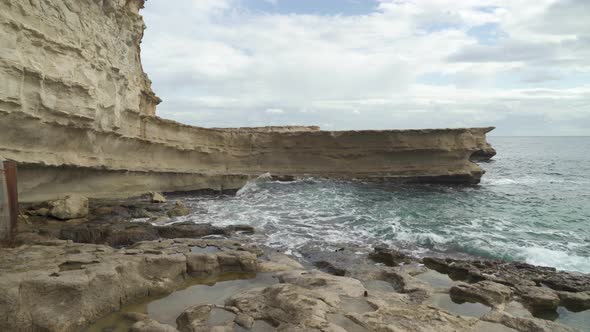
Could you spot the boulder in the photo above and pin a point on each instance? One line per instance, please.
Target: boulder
(157, 197)
(278, 262)
(487, 292)
(575, 301)
(194, 319)
(539, 298)
(178, 210)
(245, 321)
(70, 207)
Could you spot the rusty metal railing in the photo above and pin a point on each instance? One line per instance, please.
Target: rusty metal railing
(8, 202)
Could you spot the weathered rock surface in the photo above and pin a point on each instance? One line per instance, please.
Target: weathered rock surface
(484, 152)
(575, 301)
(539, 298)
(119, 223)
(510, 273)
(526, 324)
(312, 300)
(70, 207)
(65, 286)
(486, 292)
(157, 197)
(150, 325)
(77, 113)
(389, 256)
(179, 210)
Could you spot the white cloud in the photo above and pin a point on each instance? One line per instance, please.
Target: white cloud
(409, 64)
(275, 111)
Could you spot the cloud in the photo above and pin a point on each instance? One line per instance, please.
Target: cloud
(275, 111)
(406, 64)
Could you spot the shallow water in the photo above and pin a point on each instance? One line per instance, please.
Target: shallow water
(208, 290)
(581, 319)
(436, 279)
(533, 205)
(444, 301)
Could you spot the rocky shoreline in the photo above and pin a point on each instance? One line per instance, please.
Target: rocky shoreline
(66, 274)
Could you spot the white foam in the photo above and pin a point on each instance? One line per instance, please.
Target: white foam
(561, 260)
(253, 184)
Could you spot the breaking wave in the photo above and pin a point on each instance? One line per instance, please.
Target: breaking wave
(536, 215)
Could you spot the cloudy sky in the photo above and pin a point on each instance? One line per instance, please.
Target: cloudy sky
(520, 65)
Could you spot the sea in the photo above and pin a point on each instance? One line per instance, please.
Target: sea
(532, 205)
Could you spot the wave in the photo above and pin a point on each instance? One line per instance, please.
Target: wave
(559, 259)
(252, 185)
(485, 223)
(508, 181)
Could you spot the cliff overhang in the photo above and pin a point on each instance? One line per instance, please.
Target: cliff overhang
(77, 112)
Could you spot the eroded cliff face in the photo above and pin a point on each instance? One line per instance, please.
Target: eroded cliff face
(78, 114)
(74, 61)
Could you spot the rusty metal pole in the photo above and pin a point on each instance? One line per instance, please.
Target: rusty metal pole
(8, 201)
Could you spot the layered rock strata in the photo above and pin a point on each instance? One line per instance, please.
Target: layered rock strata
(78, 114)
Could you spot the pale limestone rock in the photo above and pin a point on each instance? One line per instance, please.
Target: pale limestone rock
(245, 321)
(150, 325)
(526, 324)
(539, 298)
(487, 292)
(317, 279)
(279, 262)
(70, 207)
(194, 319)
(64, 286)
(157, 197)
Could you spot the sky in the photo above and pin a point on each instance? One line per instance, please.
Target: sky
(520, 65)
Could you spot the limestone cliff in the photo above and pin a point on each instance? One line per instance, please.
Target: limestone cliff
(74, 61)
(78, 114)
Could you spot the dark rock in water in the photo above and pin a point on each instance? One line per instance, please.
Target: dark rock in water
(179, 210)
(340, 262)
(111, 233)
(510, 273)
(245, 229)
(125, 233)
(188, 230)
(389, 257)
(330, 268)
(111, 222)
(283, 178)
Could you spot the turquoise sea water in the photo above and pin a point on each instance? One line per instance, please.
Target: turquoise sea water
(532, 205)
